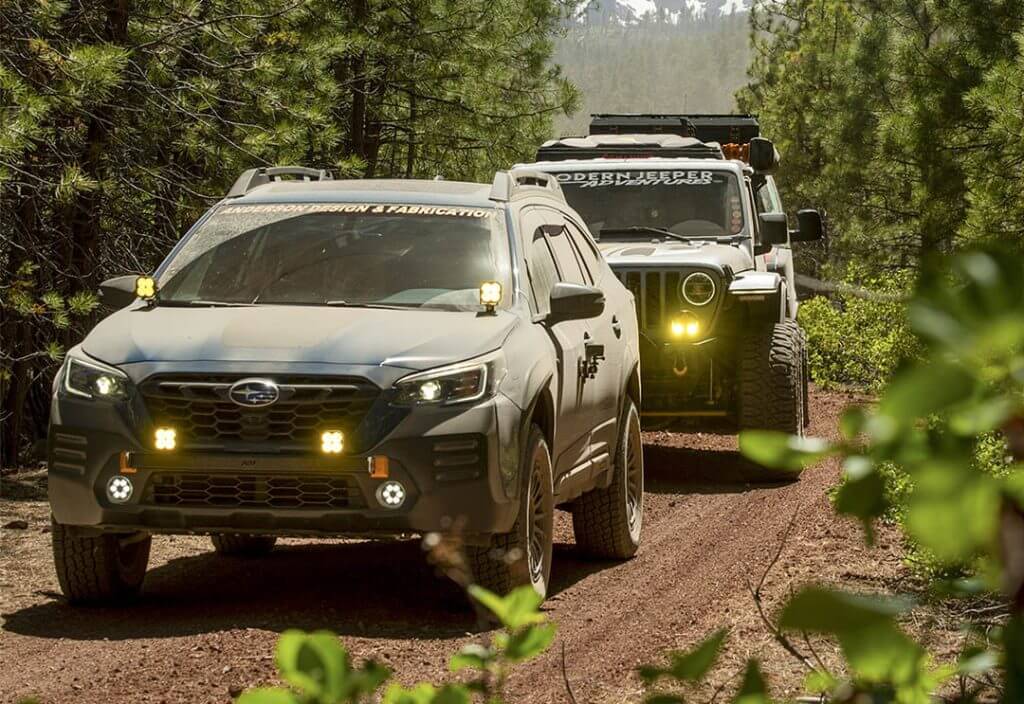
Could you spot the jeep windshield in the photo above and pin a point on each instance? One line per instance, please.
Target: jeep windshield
(630, 204)
(341, 254)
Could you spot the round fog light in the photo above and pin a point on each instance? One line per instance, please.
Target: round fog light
(391, 495)
(119, 489)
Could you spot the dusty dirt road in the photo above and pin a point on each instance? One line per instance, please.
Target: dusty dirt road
(206, 626)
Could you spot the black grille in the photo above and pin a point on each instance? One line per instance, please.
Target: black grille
(199, 490)
(200, 409)
(658, 298)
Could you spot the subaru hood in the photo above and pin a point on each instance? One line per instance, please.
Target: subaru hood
(411, 339)
(673, 253)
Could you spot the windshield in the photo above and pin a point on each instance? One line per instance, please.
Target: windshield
(685, 202)
(340, 254)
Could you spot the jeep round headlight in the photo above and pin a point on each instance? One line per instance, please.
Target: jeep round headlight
(698, 289)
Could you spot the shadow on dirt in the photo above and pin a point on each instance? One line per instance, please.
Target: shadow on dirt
(682, 470)
(357, 589)
(366, 589)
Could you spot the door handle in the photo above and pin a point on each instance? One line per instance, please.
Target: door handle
(616, 326)
(593, 353)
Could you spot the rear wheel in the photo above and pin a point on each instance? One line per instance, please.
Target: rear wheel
(522, 556)
(238, 545)
(607, 522)
(99, 568)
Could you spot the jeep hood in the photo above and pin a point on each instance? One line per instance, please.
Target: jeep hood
(673, 253)
(413, 339)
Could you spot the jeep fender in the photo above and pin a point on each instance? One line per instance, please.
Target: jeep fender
(762, 293)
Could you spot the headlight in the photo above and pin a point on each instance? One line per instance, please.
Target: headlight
(698, 289)
(94, 380)
(458, 383)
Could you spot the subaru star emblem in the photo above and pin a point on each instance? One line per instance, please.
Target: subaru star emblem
(254, 392)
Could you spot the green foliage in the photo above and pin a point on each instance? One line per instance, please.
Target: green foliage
(857, 340)
(691, 666)
(900, 118)
(318, 670)
(934, 425)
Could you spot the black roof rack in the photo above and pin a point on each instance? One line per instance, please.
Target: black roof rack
(724, 129)
(253, 178)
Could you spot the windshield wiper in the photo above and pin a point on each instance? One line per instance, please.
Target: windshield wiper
(346, 304)
(219, 304)
(660, 232)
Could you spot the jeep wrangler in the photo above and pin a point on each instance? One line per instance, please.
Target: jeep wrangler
(687, 213)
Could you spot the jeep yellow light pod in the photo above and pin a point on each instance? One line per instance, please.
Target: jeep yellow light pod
(685, 328)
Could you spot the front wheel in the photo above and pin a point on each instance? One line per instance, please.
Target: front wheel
(607, 522)
(771, 393)
(523, 556)
(103, 568)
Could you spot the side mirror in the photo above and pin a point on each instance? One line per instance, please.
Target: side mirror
(763, 157)
(812, 226)
(774, 228)
(575, 302)
(119, 292)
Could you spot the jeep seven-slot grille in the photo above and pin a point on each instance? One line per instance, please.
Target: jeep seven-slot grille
(657, 295)
(221, 490)
(201, 410)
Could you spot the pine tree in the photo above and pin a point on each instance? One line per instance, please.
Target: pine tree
(121, 122)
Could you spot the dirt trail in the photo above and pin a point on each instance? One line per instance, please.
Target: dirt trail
(206, 626)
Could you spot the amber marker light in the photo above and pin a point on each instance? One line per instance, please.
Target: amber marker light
(490, 294)
(145, 287)
(125, 463)
(378, 467)
(332, 442)
(165, 439)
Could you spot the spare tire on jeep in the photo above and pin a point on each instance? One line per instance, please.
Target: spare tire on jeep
(771, 379)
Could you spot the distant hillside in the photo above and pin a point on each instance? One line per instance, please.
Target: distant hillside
(627, 12)
(693, 63)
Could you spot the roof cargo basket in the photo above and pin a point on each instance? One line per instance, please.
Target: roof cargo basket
(253, 178)
(627, 146)
(724, 129)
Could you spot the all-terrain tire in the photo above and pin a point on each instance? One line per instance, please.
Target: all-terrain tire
(522, 556)
(771, 379)
(806, 372)
(99, 569)
(239, 545)
(607, 521)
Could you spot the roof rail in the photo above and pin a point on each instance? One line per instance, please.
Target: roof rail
(253, 178)
(508, 183)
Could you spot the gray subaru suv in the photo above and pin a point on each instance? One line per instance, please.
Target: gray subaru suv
(321, 357)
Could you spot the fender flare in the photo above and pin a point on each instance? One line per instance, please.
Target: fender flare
(753, 289)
